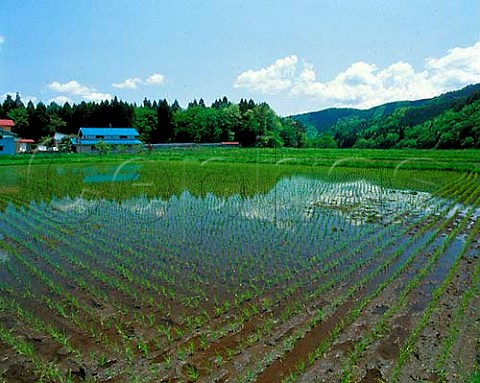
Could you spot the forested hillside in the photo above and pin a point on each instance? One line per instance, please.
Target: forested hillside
(451, 120)
(158, 122)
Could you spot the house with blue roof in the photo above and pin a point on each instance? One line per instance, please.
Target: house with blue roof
(91, 140)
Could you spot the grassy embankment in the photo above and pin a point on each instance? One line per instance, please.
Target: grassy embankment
(457, 160)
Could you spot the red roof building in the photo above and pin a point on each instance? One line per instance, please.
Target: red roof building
(24, 145)
(7, 125)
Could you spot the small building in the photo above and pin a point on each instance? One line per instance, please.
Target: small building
(24, 145)
(7, 142)
(6, 125)
(92, 140)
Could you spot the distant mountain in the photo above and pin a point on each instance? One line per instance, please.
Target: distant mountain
(419, 110)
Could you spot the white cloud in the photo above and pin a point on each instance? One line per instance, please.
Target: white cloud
(155, 79)
(460, 66)
(271, 80)
(97, 96)
(364, 85)
(2, 39)
(71, 87)
(129, 83)
(132, 83)
(74, 88)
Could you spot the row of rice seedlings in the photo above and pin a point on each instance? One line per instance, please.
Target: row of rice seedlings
(61, 238)
(408, 347)
(33, 228)
(381, 327)
(455, 323)
(67, 305)
(39, 326)
(357, 310)
(308, 297)
(337, 330)
(58, 299)
(127, 344)
(43, 370)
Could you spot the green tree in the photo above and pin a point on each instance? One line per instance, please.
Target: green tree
(56, 124)
(292, 133)
(39, 122)
(346, 131)
(229, 119)
(323, 141)
(102, 147)
(20, 118)
(8, 105)
(18, 102)
(164, 130)
(145, 121)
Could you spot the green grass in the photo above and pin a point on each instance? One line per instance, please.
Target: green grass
(475, 378)
(459, 160)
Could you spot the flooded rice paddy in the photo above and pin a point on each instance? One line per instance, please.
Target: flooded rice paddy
(148, 273)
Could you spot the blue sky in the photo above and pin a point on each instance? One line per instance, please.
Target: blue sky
(296, 55)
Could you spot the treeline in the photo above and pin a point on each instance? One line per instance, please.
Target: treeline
(247, 122)
(455, 128)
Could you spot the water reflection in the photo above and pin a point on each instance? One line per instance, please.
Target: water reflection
(295, 222)
(126, 173)
(358, 202)
(3, 256)
(291, 201)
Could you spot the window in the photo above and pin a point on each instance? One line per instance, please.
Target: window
(1, 136)
(100, 136)
(123, 137)
(1, 148)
